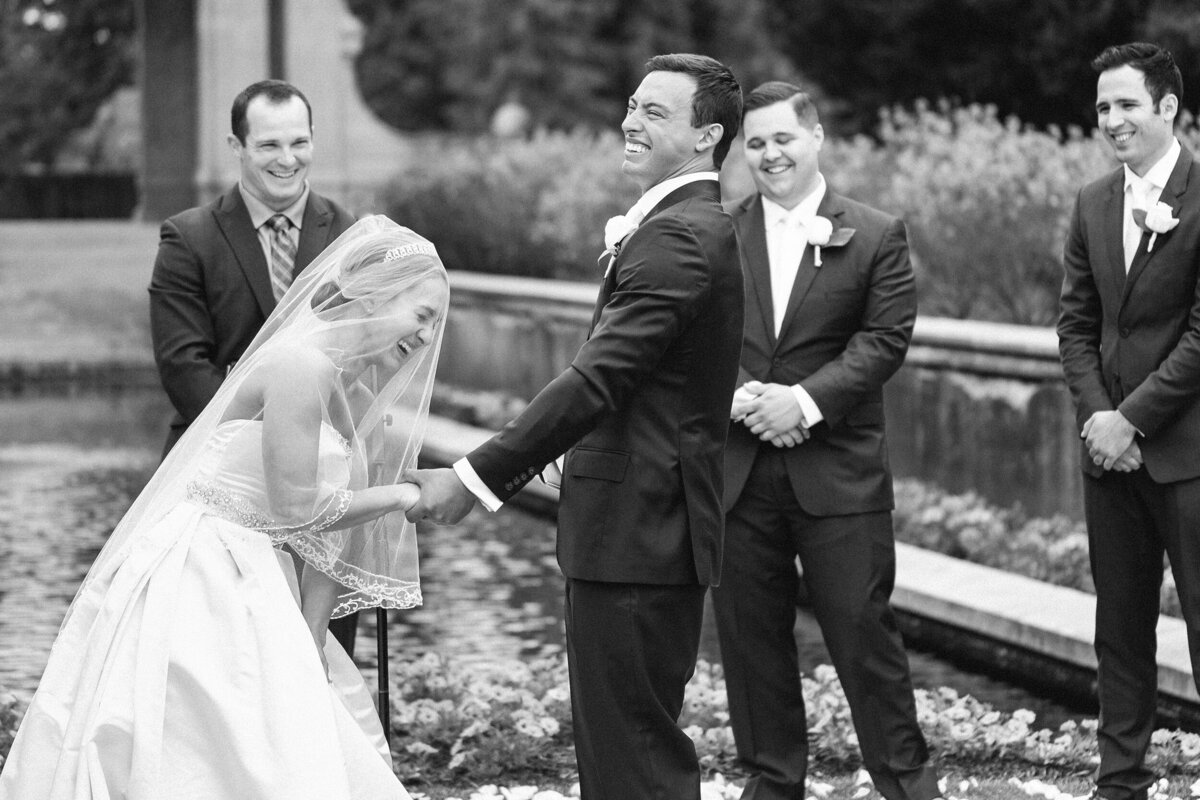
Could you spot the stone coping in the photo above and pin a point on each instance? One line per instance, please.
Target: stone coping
(1052, 621)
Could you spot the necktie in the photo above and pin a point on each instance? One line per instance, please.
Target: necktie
(785, 247)
(1142, 194)
(283, 255)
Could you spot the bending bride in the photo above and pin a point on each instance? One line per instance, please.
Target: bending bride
(193, 661)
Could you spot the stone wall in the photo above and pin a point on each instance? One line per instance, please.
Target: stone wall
(977, 406)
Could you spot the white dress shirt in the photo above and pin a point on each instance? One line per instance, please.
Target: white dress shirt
(787, 236)
(261, 214)
(1143, 193)
(552, 473)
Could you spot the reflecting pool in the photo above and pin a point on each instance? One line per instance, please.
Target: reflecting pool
(72, 462)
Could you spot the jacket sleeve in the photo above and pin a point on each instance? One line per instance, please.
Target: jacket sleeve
(180, 325)
(661, 280)
(1079, 325)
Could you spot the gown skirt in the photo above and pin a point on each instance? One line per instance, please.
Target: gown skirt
(185, 671)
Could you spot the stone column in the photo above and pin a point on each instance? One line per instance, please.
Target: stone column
(169, 106)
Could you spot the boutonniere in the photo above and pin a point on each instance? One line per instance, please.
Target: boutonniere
(1157, 220)
(821, 234)
(615, 231)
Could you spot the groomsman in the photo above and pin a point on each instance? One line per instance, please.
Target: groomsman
(222, 267)
(830, 306)
(1129, 336)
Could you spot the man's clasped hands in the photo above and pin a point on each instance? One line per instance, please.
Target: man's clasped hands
(771, 412)
(1111, 441)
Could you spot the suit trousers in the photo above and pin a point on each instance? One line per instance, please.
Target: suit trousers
(849, 565)
(1131, 522)
(631, 649)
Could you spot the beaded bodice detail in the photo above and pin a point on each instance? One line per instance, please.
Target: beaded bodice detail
(230, 481)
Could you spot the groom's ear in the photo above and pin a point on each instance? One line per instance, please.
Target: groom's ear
(710, 137)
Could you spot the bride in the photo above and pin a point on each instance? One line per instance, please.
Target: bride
(193, 662)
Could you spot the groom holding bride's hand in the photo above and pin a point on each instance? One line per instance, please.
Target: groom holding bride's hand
(642, 415)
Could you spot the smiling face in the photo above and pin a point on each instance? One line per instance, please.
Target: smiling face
(660, 141)
(408, 321)
(1139, 133)
(277, 152)
(782, 153)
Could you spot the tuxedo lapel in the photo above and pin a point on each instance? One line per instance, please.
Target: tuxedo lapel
(234, 221)
(830, 208)
(703, 188)
(314, 232)
(1172, 195)
(752, 239)
(1114, 229)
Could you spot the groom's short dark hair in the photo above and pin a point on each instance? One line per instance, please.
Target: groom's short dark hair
(772, 92)
(718, 98)
(1156, 64)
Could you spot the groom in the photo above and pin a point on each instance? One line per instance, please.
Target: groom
(642, 415)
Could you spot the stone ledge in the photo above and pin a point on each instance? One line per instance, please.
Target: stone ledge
(1038, 616)
(1047, 620)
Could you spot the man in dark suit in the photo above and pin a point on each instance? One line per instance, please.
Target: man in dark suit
(830, 306)
(642, 415)
(1129, 336)
(213, 283)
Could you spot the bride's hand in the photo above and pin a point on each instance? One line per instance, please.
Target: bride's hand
(407, 495)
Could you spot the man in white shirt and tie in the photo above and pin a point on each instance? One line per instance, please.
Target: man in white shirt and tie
(830, 306)
(1129, 337)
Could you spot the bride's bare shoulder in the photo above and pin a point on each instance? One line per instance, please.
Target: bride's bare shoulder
(298, 361)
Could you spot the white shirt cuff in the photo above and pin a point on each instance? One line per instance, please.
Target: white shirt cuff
(466, 474)
(812, 414)
(552, 473)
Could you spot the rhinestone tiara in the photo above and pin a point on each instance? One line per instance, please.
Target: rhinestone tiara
(417, 248)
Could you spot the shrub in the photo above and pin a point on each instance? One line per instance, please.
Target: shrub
(987, 201)
(10, 718)
(533, 207)
(1053, 549)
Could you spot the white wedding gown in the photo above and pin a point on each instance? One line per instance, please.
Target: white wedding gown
(185, 669)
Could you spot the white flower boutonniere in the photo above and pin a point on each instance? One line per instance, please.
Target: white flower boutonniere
(821, 234)
(615, 231)
(1157, 220)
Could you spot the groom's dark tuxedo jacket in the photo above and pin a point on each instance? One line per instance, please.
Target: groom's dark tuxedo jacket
(845, 331)
(643, 410)
(210, 292)
(1133, 342)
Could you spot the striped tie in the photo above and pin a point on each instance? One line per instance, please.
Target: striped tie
(283, 256)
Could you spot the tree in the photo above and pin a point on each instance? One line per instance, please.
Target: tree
(1028, 59)
(59, 61)
(448, 64)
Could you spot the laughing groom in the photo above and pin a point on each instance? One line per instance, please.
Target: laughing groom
(642, 414)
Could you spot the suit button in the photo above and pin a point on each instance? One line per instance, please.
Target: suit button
(777, 363)
(1124, 333)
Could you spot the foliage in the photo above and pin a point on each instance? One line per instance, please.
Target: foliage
(10, 718)
(987, 201)
(451, 721)
(534, 207)
(1054, 549)
(455, 723)
(449, 64)
(1029, 59)
(59, 61)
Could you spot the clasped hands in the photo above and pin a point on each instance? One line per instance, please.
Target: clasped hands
(771, 412)
(444, 499)
(1111, 441)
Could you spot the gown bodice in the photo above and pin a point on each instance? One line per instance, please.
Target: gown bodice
(230, 478)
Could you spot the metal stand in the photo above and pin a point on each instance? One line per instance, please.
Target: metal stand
(381, 649)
